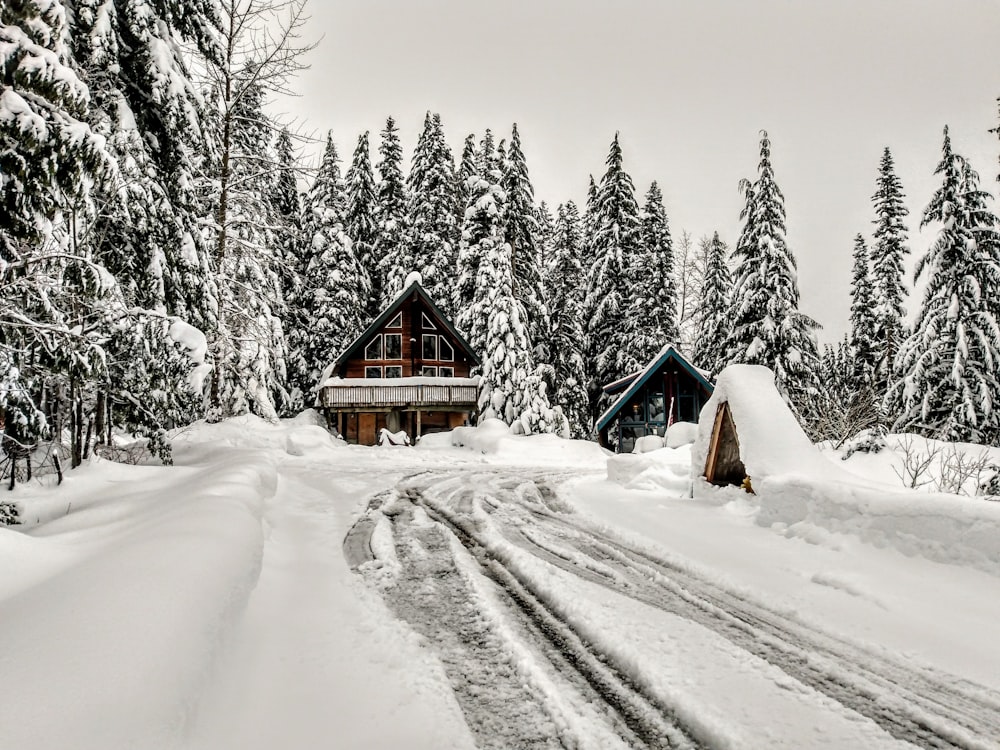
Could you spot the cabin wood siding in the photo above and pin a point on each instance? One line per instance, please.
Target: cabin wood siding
(412, 362)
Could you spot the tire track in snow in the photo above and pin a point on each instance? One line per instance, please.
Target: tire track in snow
(905, 702)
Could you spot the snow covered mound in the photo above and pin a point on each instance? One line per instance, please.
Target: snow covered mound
(493, 437)
(663, 469)
(796, 485)
(132, 592)
(647, 443)
(309, 440)
(681, 433)
(301, 435)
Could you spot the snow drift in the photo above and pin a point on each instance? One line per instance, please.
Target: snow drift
(795, 483)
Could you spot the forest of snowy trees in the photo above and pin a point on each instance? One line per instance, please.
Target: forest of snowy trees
(160, 262)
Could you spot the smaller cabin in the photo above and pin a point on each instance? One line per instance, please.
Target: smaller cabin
(410, 371)
(669, 389)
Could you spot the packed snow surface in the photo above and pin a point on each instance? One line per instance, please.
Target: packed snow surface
(281, 588)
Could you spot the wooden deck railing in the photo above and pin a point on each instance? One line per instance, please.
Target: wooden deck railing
(398, 395)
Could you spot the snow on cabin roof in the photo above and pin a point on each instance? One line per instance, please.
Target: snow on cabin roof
(638, 380)
(418, 380)
(412, 287)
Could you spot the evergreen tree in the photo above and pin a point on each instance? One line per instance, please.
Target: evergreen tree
(616, 239)
(482, 236)
(331, 308)
(767, 328)
(431, 230)
(888, 292)
(250, 350)
(864, 322)
(545, 241)
(48, 160)
(714, 318)
(652, 315)
(566, 339)
(467, 168)
(286, 205)
(950, 362)
(359, 220)
(520, 233)
(390, 215)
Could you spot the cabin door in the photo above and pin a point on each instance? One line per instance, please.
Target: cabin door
(366, 428)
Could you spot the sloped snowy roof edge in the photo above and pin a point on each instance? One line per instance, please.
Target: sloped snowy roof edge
(669, 351)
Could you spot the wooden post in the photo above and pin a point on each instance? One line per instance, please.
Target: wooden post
(418, 426)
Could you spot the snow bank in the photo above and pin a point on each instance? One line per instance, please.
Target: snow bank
(302, 435)
(139, 584)
(796, 484)
(664, 469)
(494, 438)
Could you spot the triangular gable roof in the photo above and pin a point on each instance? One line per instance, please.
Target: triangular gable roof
(667, 353)
(390, 312)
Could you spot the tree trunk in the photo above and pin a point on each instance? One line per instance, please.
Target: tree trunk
(100, 413)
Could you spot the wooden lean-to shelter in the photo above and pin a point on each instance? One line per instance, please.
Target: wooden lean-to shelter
(409, 371)
(723, 465)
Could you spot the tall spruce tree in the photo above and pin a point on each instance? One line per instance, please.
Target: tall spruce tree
(482, 236)
(48, 160)
(431, 230)
(466, 169)
(887, 255)
(521, 233)
(332, 305)
(616, 239)
(286, 205)
(767, 327)
(390, 217)
(864, 321)
(359, 219)
(949, 364)
(652, 314)
(566, 345)
(714, 317)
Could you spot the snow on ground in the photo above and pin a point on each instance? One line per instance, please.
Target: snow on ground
(209, 604)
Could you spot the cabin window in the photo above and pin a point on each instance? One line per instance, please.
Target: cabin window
(373, 372)
(446, 349)
(430, 346)
(396, 322)
(430, 372)
(374, 349)
(657, 408)
(635, 411)
(393, 345)
(446, 372)
(426, 322)
(394, 371)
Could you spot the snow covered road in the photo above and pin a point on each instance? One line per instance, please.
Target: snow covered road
(555, 632)
(279, 588)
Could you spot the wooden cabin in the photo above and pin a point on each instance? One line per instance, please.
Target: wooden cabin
(669, 389)
(409, 371)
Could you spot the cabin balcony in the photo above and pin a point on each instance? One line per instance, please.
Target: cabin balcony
(366, 394)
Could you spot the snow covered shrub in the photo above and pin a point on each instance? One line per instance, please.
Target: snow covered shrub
(866, 441)
(10, 514)
(989, 484)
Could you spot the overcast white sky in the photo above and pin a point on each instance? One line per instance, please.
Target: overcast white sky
(688, 84)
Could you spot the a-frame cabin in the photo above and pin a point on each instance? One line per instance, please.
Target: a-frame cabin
(669, 389)
(409, 371)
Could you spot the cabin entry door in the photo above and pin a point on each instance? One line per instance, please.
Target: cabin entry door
(366, 429)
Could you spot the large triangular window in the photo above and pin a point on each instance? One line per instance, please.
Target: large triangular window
(426, 323)
(396, 322)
